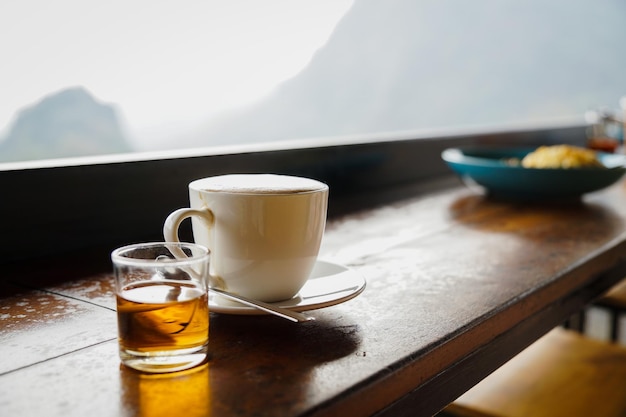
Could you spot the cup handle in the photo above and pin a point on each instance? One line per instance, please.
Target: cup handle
(173, 221)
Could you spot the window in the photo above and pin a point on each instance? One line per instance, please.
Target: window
(86, 79)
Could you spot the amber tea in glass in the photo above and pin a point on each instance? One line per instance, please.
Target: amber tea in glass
(162, 305)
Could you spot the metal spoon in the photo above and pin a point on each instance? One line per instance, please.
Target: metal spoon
(268, 308)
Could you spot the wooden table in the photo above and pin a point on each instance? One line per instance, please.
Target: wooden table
(457, 284)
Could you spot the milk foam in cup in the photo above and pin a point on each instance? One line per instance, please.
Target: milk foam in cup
(264, 231)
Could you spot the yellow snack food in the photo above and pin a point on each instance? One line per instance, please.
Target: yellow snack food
(561, 156)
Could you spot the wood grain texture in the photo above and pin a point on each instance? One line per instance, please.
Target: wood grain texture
(457, 284)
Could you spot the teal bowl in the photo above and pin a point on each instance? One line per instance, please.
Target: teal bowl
(488, 169)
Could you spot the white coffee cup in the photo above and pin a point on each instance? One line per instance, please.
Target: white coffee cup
(264, 231)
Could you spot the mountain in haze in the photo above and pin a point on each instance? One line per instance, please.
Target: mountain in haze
(389, 66)
(404, 65)
(68, 123)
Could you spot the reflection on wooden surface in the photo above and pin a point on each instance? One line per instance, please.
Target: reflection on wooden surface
(186, 393)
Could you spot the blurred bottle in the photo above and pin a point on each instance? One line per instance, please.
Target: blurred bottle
(606, 130)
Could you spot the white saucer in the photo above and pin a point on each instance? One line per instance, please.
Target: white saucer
(329, 284)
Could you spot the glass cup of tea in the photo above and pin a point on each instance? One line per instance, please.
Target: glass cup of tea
(162, 305)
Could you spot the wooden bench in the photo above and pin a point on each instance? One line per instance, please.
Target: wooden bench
(562, 374)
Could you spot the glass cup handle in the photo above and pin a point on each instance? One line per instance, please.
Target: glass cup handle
(173, 221)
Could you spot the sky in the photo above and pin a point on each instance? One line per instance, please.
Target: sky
(166, 65)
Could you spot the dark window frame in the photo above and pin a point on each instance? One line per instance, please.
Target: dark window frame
(60, 207)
